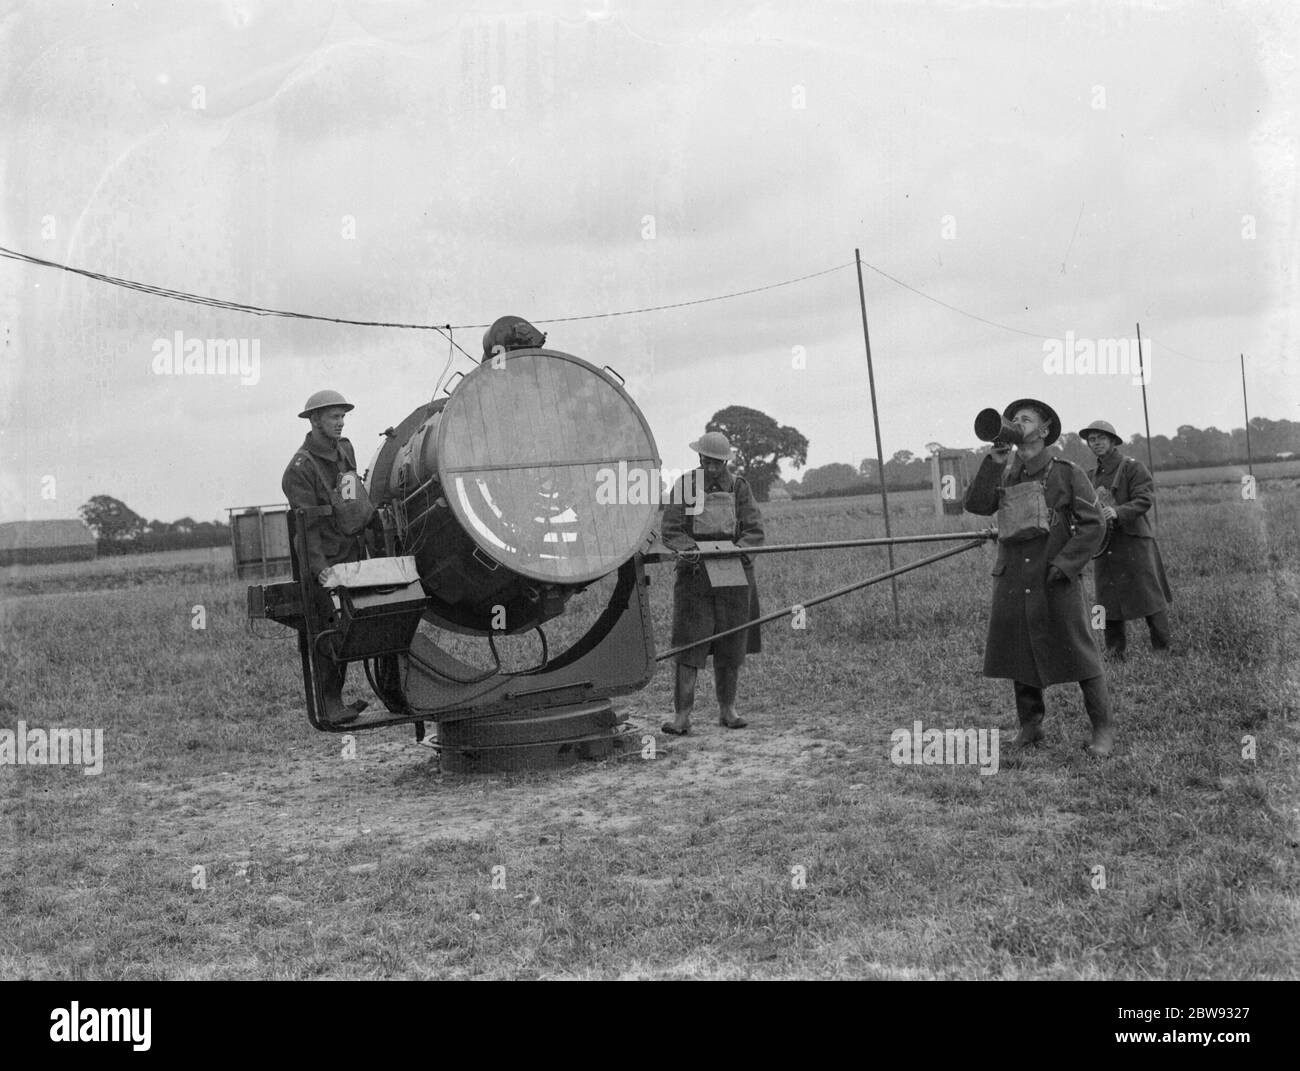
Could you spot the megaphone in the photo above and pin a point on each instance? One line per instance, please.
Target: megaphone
(990, 427)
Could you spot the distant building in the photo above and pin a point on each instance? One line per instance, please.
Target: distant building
(777, 494)
(30, 542)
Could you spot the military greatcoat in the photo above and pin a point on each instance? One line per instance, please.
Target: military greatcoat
(1130, 576)
(303, 487)
(699, 609)
(1039, 633)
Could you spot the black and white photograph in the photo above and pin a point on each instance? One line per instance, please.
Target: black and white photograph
(597, 490)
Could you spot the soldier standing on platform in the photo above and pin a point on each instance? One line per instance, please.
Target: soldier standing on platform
(323, 472)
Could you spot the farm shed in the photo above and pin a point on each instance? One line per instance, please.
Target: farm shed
(31, 542)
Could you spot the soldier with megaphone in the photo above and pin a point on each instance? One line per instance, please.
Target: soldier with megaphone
(1049, 525)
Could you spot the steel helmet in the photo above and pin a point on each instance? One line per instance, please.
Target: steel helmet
(1044, 410)
(325, 399)
(1101, 425)
(511, 333)
(713, 444)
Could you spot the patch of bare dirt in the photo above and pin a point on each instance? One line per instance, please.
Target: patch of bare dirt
(326, 791)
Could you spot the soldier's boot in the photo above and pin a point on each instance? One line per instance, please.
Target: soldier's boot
(726, 680)
(1116, 639)
(683, 701)
(1030, 710)
(1096, 701)
(331, 689)
(1158, 626)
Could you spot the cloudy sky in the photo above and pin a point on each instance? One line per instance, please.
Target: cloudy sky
(1063, 169)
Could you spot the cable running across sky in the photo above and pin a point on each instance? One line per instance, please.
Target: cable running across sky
(443, 329)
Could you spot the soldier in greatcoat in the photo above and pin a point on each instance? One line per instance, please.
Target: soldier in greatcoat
(1129, 573)
(323, 472)
(711, 504)
(1038, 626)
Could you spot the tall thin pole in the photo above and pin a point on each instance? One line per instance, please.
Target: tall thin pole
(1250, 461)
(1146, 420)
(875, 419)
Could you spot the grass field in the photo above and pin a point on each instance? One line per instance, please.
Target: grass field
(1262, 470)
(922, 502)
(226, 839)
(117, 571)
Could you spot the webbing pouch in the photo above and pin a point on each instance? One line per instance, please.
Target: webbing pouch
(1023, 512)
(349, 499)
(717, 516)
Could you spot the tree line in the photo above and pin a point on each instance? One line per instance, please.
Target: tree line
(1189, 448)
(760, 445)
(120, 530)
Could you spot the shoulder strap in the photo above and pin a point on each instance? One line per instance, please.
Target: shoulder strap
(325, 482)
(1119, 469)
(1052, 461)
(1095, 501)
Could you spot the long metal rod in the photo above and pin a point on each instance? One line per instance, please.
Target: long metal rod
(1245, 404)
(835, 544)
(423, 487)
(875, 419)
(892, 574)
(1146, 420)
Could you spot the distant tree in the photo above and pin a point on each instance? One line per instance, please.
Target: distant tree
(833, 477)
(1162, 450)
(1216, 447)
(760, 444)
(1188, 445)
(1273, 436)
(111, 521)
(906, 469)
(1238, 448)
(1076, 450)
